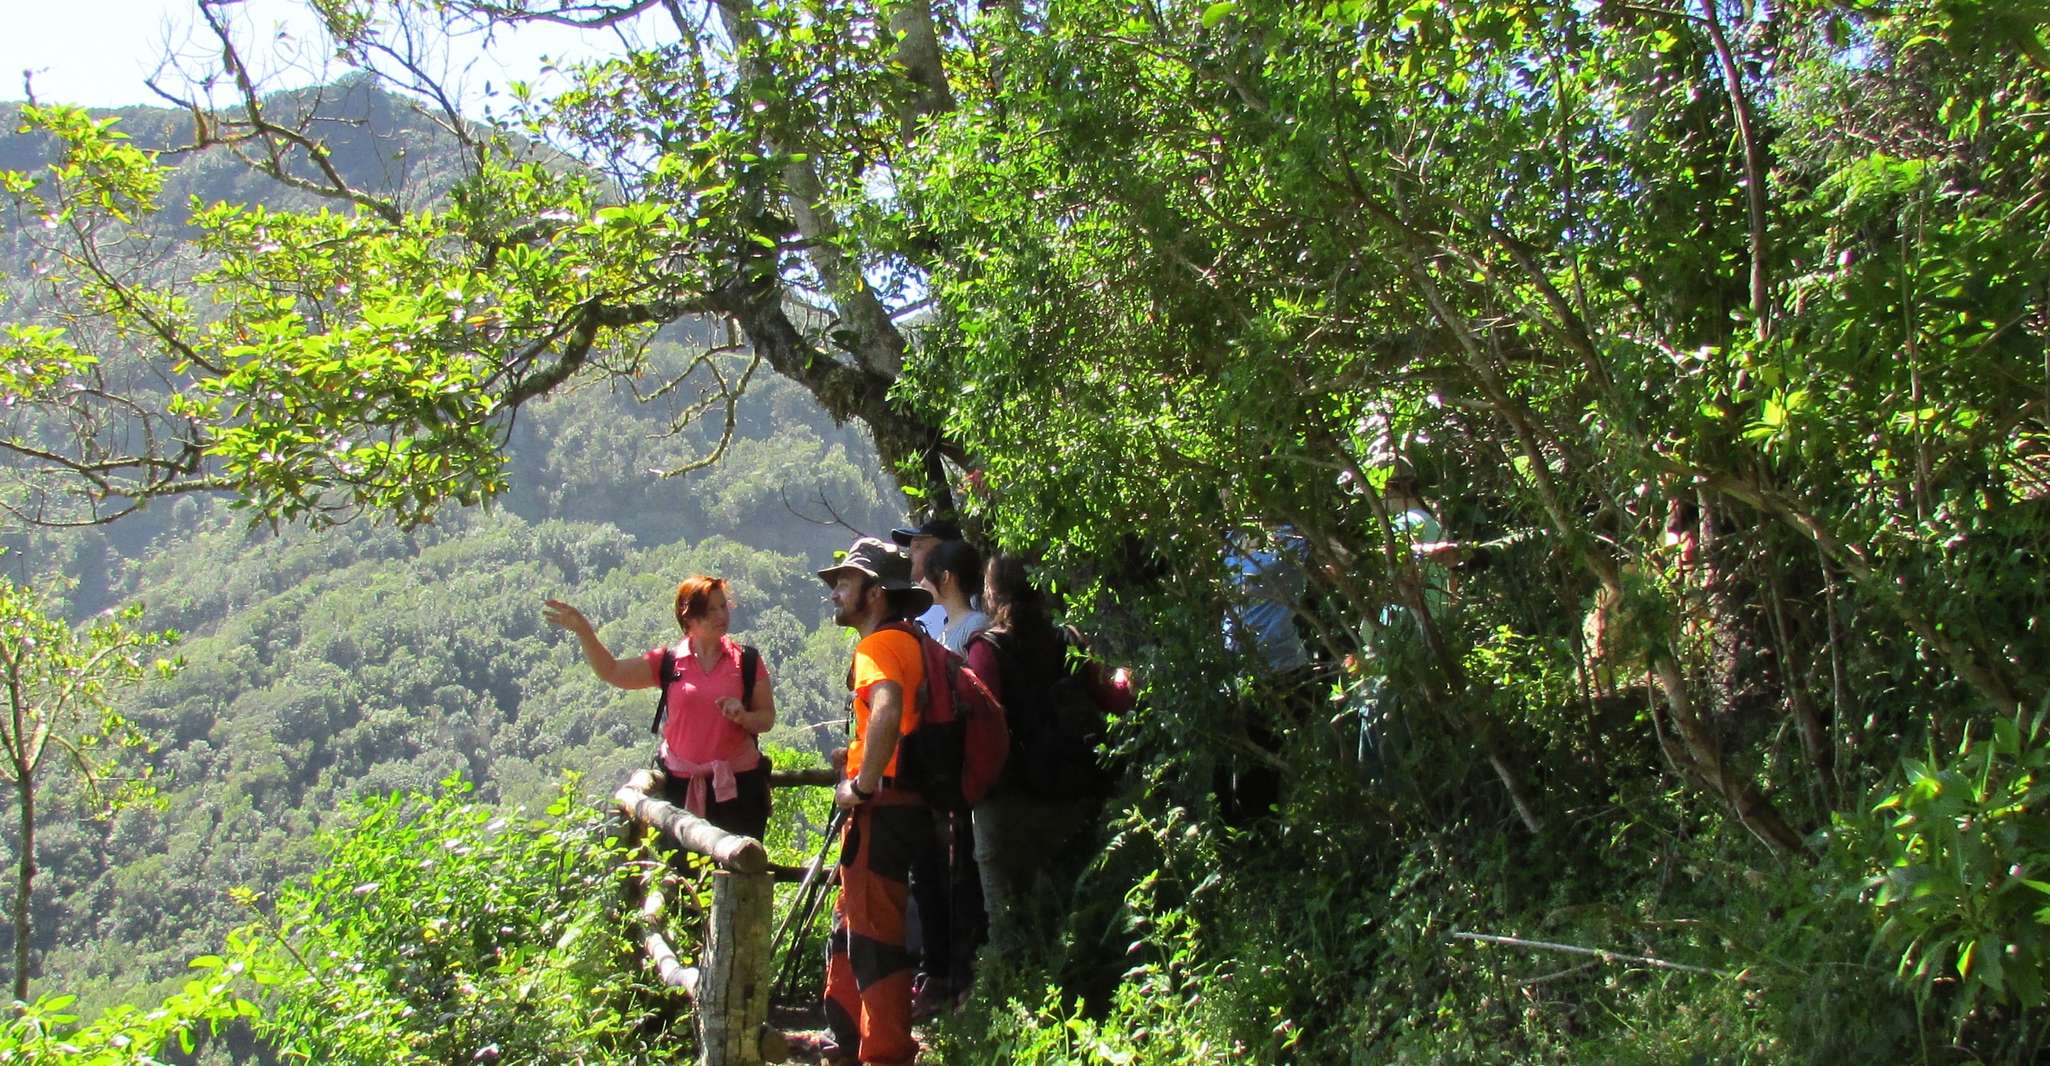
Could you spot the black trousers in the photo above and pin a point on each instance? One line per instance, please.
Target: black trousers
(946, 894)
(747, 813)
(1247, 785)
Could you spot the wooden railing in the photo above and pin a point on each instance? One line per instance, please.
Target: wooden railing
(729, 988)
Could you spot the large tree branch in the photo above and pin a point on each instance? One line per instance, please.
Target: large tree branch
(573, 341)
(1754, 169)
(918, 52)
(878, 343)
(845, 391)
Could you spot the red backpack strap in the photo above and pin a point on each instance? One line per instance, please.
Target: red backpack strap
(925, 646)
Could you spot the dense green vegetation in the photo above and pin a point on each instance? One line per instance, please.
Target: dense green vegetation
(1714, 333)
(1713, 324)
(437, 929)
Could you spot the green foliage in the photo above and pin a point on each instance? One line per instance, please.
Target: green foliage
(321, 363)
(326, 666)
(45, 1031)
(1707, 335)
(332, 666)
(61, 682)
(1962, 850)
(1335, 943)
(441, 930)
(1715, 337)
(797, 816)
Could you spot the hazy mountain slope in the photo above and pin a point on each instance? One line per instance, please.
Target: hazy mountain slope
(323, 666)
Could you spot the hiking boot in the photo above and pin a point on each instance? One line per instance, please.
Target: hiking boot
(818, 1046)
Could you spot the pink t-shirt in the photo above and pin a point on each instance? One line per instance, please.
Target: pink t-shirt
(695, 731)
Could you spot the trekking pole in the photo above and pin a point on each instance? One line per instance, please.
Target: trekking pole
(803, 910)
(792, 963)
(812, 878)
(805, 906)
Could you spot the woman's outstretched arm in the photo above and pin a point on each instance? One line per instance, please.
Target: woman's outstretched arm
(621, 673)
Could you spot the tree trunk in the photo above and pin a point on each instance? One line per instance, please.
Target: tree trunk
(1705, 763)
(26, 785)
(733, 989)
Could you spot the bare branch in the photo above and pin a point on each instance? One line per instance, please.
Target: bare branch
(835, 520)
(580, 16)
(278, 141)
(1603, 954)
(731, 398)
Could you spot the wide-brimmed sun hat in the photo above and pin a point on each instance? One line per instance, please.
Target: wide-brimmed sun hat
(886, 565)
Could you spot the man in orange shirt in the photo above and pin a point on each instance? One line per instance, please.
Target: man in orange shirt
(868, 969)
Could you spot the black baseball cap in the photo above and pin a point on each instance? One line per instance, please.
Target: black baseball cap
(943, 528)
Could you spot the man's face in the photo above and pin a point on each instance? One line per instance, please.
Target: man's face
(850, 598)
(921, 546)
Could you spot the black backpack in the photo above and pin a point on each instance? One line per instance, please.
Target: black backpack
(750, 663)
(1055, 724)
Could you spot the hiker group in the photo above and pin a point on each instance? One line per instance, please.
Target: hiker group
(968, 772)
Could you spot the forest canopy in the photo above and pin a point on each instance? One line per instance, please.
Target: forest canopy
(1712, 334)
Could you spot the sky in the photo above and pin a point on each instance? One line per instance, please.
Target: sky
(97, 52)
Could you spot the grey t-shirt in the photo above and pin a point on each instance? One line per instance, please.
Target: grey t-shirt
(960, 630)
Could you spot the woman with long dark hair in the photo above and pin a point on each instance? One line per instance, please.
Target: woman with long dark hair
(1028, 830)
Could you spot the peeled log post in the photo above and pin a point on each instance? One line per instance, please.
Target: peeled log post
(824, 775)
(654, 918)
(730, 986)
(655, 909)
(668, 967)
(732, 851)
(733, 1000)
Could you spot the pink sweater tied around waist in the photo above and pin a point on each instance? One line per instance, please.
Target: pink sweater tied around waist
(718, 773)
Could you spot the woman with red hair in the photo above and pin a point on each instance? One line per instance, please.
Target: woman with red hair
(712, 714)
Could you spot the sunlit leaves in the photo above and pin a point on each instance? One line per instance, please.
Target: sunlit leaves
(440, 927)
(100, 172)
(345, 363)
(36, 361)
(46, 1031)
(61, 682)
(1962, 847)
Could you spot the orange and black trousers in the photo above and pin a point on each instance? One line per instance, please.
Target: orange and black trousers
(868, 967)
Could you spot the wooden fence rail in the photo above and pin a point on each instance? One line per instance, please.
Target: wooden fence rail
(730, 985)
